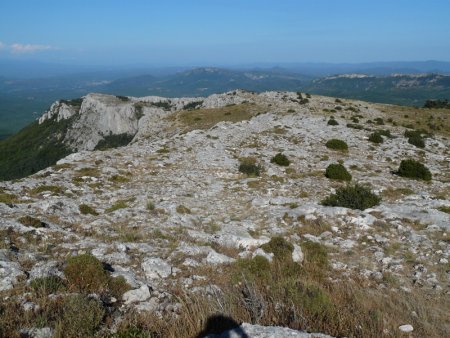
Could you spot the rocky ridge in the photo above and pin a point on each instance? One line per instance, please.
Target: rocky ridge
(173, 200)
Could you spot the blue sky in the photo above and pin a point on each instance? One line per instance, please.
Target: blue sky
(175, 32)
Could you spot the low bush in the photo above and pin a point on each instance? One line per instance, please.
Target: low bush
(336, 144)
(417, 141)
(85, 273)
(337, 172)
(332, 122)
(249, 167)
(81, 316)
(379, 121)
(281, 160)
(376, 137)
(353, 197)
(413, 169)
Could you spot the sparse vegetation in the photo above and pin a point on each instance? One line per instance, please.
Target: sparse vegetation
(87, 210)
(31, 222)
(413, 169)
(353, 197)
(44, 286)
(337, 172)
(181, 209)
(121, 204)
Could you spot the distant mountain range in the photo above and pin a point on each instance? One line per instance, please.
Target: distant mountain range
(23, 99)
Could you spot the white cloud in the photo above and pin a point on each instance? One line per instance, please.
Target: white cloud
(28, 48)
(2, 45)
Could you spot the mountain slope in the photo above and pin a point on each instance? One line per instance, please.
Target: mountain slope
(394, 89)
(197, 218)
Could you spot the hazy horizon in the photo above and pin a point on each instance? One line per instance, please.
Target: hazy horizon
(205, 33)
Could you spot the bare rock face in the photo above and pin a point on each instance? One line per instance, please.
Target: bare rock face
(100, 116)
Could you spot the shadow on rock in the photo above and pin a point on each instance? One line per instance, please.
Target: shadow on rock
(220, 326)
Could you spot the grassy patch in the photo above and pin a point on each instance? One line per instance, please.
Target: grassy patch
(54, 189)
(87, 210)
(121, 204)
(207, 118)
(181, 209)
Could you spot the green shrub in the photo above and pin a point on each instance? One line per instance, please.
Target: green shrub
(162, 104)
(85, 273)
(379, 121)
(123, 98)
(332, 122)
(336, 144)
(81, 316)
(192, 105)
(413, 169)
(280, 159)
(114, 141)
(249, 167)
(47, 285)
(281, 248)
(31, 222)
(337, 172)
(417, 141)
(87, 210)
(353, 197)
(376, 137)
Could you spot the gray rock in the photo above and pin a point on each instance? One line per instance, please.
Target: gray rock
(45, 332)
(407, 328)
(136, 295)
(156, 268)
(215, 258)
(297, 254)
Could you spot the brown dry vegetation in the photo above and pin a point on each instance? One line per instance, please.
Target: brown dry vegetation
(206, 118)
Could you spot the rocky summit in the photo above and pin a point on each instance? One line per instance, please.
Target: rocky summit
(278, 209)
